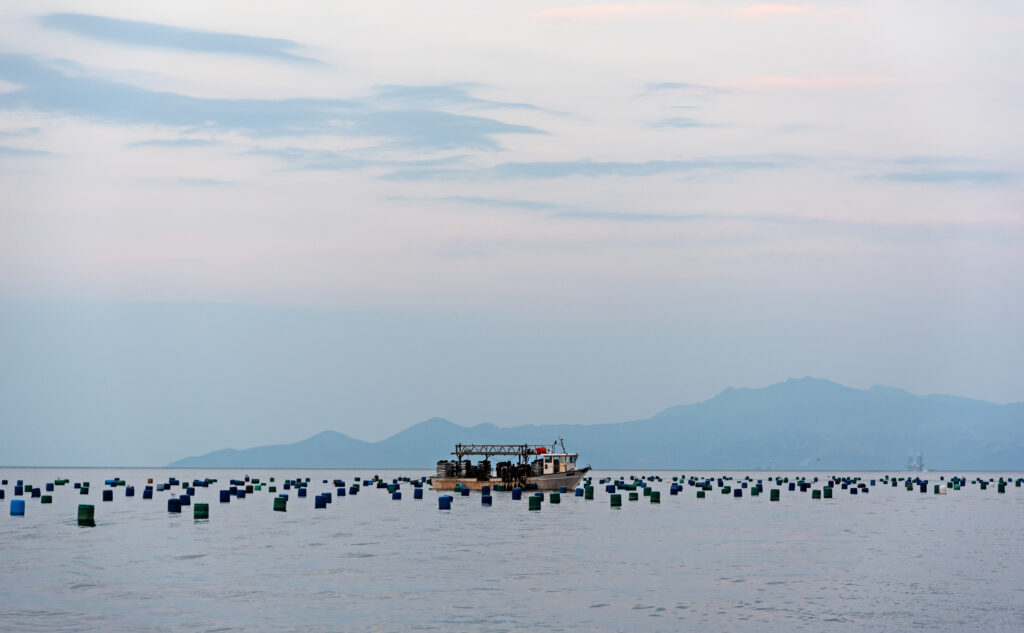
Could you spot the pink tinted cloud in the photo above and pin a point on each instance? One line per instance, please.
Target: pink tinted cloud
(771, 10)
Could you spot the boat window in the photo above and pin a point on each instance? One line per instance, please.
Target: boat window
(548, 459)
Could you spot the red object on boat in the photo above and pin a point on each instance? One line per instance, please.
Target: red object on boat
(541, 450)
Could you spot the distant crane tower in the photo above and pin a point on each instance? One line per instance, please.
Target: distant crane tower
(915, 462)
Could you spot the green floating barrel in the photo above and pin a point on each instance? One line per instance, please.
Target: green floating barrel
(1001, 489)
(655, 496)
(647, 491)
(616, 500)
(775, 494)
(280, 504)
(555, 497)
(701, 493)
(46, 499)
(535, 502)
(86, 515)
(815, 494)
(201, 511)
(634, 496)
(827, 492)
(588, 492)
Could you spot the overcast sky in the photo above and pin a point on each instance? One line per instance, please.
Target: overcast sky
(230, 224)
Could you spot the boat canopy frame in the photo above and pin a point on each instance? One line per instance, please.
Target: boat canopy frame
(522, 451)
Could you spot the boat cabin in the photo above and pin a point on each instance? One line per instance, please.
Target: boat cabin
(557, 462)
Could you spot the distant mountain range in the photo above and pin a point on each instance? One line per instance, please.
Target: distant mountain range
(798, 424)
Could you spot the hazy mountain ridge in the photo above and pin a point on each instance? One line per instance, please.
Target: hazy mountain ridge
(800, 423)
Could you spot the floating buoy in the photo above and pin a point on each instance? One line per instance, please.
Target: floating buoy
(656, 496)
(464, 492)
(555, 497)
(775, 494)
(485, 500)
(701, 493)
(319, 502)
(396, 495)
(485, 490)
(444, 502)
(416, 494)
(108, 495)
(737, 492)
(174, 505)
(535, 502)
(517, 493)
(17, 507)
(86, 515)
(280, 504)
(615, 500)
(815, 494)
(588, 492)
(201, 511)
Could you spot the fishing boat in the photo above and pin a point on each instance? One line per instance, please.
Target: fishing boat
(533, 467)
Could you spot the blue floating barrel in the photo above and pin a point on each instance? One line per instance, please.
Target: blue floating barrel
(340, 492)
(418, 493)
(610, 488)
(36, 493)
(444, 502)
(319, 502)
(579, 492)
(517, 493)
(185, 500)
(562, 490)
(485, 490)
(108, 495)
(129, 491)
(225, 496)
(485, 500)
(147, 492)
(353, 490)
(174, 505)
(302, 492)
(1, 494)
(465, 492)
(396, 495)
(19, 490)
(17, 507)
(49, 487)
(191, 492)
(737, 492)
(853, 490)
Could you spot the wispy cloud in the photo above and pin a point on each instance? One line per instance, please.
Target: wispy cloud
(67, 89)
(816, 82)
(611, 216)
(176, 142)
(585, 168)
(683, 122)
(203, 182)
(935, 176)
(527, 205)
(152, 35)
(442, 95)
(19, 151)
(642, 10)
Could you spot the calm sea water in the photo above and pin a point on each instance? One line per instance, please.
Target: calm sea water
(891, 560)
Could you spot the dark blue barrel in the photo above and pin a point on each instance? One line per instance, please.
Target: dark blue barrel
(579, 492)
(19, 490)
(240, 494)
(17, 507)
(465, 492)
(444, 502)
(147, 492)
(319, 502)
(609, 488)
(353, 490)
(225, 496)
(485, 500)
(129, 491)
(853, 490)
(191, 492)
(185, 500)
(792, 485)
(737, 492)
(49, 487)
(1, 494)
(37, 492)
(517, 493)
(302, 492)
(418, 493)
(340, 492)
(562, 490)
(396, 495)
(174, 505)
(108, 495)
(485, 490)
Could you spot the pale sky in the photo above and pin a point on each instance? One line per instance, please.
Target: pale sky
(231, 224)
